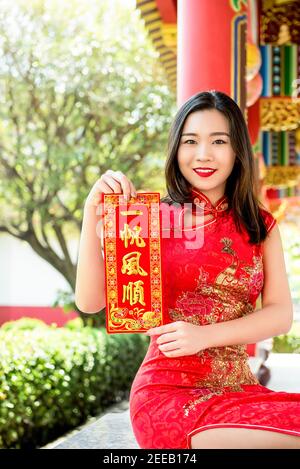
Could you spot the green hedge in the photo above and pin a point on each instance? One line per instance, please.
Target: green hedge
(52, 379)
(288, 343)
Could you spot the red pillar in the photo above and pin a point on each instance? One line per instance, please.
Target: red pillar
(211, 49)
(211, 54)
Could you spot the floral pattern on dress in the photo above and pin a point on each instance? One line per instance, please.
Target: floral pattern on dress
(171, 399)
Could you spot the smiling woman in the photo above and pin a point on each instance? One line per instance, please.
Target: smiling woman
(206, 161)
(206, 117)
(194, 388)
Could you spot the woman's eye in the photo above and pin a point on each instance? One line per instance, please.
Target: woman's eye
(189, 141)
(219, 141)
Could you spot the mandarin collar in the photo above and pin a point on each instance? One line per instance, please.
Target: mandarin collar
(199, 197)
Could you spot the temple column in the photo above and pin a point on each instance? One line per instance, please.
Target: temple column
(211, 48)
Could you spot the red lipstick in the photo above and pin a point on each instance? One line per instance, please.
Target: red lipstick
(204, 172)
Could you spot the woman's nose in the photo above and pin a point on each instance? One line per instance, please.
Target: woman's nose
(203, 153)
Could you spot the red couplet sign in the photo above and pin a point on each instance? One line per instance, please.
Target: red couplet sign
(132, 254)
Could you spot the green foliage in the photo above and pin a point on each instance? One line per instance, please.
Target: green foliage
(289, 231)
(74, 324)
(76, 98)
(81, 91)
(52, 379)
(66, 301)
(288, 343)
(23, 323)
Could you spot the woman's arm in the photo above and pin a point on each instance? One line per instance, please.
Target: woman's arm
(90, 278)
(90, 289)
(276, 315)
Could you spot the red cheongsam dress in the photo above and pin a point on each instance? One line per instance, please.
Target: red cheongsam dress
(171, 399)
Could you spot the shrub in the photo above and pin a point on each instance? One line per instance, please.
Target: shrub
(52, 379)
(23, 323)
(74, 324)
(288, 343)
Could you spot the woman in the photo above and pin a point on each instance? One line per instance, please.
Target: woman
(194, 388)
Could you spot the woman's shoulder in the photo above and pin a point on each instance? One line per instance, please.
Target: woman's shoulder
(269, 219)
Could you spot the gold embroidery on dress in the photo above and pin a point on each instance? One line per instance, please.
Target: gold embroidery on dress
(229, 368)
(226, 299)
(191, 404)
(226, 375)
(256, 269)
(224, 304)
(226, 277)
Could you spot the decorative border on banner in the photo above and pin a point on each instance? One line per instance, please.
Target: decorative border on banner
(140, 320)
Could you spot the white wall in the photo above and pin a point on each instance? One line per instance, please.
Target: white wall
(25, 278)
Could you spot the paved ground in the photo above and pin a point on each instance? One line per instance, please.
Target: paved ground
(285, 376)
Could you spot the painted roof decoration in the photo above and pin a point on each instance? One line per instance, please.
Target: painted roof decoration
(162, 33)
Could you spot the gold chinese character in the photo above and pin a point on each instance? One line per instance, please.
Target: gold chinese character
(133, 235)
(134, 292)
(131, 263)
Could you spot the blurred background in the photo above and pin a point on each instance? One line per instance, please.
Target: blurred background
(91, 85)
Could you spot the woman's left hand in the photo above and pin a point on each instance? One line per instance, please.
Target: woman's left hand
(180, 338)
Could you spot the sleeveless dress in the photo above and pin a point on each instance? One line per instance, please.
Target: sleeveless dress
(171, 399)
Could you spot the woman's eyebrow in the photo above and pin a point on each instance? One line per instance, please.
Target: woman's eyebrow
(213, 133)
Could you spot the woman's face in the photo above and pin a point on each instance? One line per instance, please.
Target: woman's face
(205, 144)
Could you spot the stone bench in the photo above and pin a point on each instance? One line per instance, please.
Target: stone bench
(112, 431)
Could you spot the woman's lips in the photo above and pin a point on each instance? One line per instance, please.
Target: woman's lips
(204, 173)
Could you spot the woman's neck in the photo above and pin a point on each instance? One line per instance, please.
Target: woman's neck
(212, 198)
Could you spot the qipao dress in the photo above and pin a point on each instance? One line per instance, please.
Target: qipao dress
(171, 399)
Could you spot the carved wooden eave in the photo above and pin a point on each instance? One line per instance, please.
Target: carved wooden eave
(160, 23)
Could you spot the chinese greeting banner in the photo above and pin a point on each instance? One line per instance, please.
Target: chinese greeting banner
(132, 255)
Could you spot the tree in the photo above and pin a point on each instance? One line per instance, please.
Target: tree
(80, 92)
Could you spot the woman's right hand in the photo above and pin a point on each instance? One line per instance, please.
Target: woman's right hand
(110, 182)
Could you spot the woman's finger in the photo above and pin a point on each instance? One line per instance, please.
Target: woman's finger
(165, 338)
(114, 185)
(133, 189)
(168, 346)
(122, 179)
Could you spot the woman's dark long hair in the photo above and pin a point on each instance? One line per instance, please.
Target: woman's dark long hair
(241, 185)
